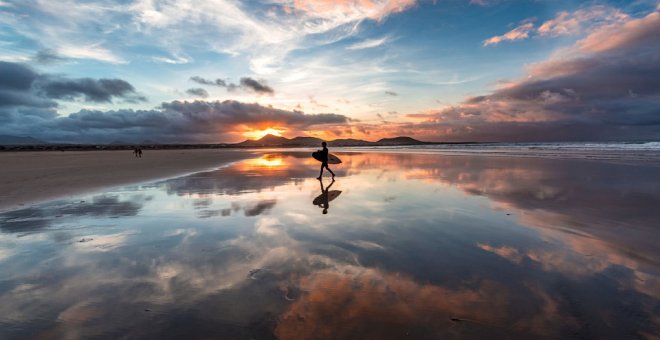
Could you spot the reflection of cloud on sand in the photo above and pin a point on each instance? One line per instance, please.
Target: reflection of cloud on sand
(506, 252)
(355, 302)
(102, 242)
(35, 218)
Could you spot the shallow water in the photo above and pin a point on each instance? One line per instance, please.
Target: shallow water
(418, 246)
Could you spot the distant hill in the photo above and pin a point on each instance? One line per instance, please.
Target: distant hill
(350, 142)
(277, 141)
(399, 141)
(18, 140)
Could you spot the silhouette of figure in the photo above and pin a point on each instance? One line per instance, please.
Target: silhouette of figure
(324, 160)
(135, 151)
(324, 197)
(139, 150)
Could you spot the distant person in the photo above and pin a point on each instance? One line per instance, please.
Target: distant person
(139, 152)
(135, 151)
(324, 160)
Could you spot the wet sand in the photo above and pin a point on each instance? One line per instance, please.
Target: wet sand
(31, 177)
(412, 246)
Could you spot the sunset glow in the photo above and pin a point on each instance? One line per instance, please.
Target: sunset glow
(101, 71)
(265, 162)
(256, 134)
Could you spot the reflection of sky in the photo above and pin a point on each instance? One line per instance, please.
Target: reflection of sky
(415, 245)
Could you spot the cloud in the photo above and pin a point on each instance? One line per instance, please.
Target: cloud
(91, 90)
(391, 93)
(368, 9)
(203, 81)
(199, 92)
(255, 86)
(565, 23)
(370, 43)
(518, 33)
(93, 51)
(47, 56)
(246, 83)
(603, 87)
(21, 86)
(172, 122)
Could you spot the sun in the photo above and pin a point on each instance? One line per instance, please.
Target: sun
(256, 134)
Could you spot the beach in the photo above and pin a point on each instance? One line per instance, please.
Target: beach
(30, 177)
(400, 244)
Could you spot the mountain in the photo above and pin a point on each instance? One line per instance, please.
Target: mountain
(267, 140)
(18, 140)
(399, 141)
(305, 141)
(350, 142)
(277, 141)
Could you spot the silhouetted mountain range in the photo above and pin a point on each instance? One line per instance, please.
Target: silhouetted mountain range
(277, 141)
(17, 143)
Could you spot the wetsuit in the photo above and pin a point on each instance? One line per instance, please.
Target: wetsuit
(324, 157)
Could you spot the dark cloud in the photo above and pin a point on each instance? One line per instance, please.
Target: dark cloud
(391, 93)
(255, 86)
(16, 77)
(176, 122)
(34, 218)
(91, 90)
(260, 208)
(21, 86)
(198, 91)
(246, 83)
(203, 81)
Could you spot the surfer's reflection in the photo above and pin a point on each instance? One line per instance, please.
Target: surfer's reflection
(327, 195)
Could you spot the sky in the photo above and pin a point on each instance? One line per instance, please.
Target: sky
(191, 71)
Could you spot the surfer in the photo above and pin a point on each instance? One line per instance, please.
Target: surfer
(324, 160)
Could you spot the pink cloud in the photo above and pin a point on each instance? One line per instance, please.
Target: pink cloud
(518, 33)
(628, 33)
(566, 23)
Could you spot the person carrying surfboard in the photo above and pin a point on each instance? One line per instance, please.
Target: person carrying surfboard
(324, 160)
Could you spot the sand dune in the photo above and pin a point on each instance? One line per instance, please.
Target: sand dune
(30, 177)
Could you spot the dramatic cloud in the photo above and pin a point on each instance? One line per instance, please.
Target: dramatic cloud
(606, 86)
(199, 92)
(91, 90)
(173, 122)
(246, 83)
(21, 86)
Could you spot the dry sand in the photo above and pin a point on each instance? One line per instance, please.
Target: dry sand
(30, 177)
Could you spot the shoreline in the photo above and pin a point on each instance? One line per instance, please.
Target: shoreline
(32, 177)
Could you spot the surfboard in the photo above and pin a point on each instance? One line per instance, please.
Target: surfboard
(332, 159)
(332, 194)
